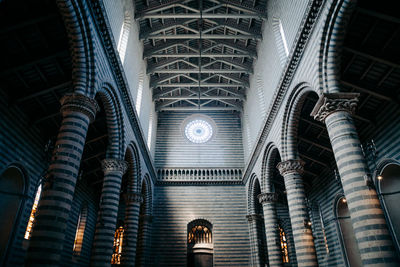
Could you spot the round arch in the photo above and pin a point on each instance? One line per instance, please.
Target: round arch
(132, 157)
(333, 35)
(267, 168)
(115, 122)
(291, 121)
(253, 190)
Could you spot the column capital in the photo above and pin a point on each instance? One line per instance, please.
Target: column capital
(133, 197)
(114, 165)
(269, 197)
(330, 103)
(79, 103)
(291, 166)
(253, 217)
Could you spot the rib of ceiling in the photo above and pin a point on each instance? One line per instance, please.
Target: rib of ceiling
(200, 53)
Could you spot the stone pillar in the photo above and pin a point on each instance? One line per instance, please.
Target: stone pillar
(373, 238)
(46, 242)
(268, 201)
(133, 201)
(292, 171)
(256, 250)
(108, 210)
(144, 240)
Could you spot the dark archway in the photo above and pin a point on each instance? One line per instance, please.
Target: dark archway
(200, 244)
(12, 190)
(389, 192)
(348, 238)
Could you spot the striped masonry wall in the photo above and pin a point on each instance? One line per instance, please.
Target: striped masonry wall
(224, 206)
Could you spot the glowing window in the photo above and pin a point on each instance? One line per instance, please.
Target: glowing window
(284, 247)
(198, 131)
(117, 250)
(199, 234)
(80, 230)
(31, 221)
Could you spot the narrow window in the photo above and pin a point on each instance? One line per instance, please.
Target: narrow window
(123, 36)
(150, 131)
(139, 93)
(280, 39)
(31, 221)
(284, 247)
(261, 96)
(117, 250)
(80, 230)
(200, 243)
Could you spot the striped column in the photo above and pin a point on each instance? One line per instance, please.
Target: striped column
(142, 259)
(48, 233)
(108, 210)
(373, 238)
(256, 250)
(133, 201)
(292, 171)
(268, 201)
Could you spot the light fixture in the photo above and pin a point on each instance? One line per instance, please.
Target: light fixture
(344, 200)
(307, 223)
(380, 177)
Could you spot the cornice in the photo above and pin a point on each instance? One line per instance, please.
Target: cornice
(306, 29)
(202, 183)
(103, 28)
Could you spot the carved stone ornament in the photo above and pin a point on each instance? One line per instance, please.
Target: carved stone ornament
(268, 197)
(330, 103)
(291, 166)
(114, 165)
(133, 197)
(79, 103)
(253, 217)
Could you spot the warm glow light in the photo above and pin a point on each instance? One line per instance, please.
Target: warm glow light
(28, 231)
(380, 177)
(118, 238)
(344, 200)
(284, 248)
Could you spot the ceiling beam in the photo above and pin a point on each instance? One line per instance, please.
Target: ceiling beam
(198, 71)
(163, 5)
(194, 108)
(198, 15)
(371, 57)
(196, 55)
(244, 8)
(202, 85)
(367, 91)
(203, 36)
(160, 47)
(66, 85)
(196, 97)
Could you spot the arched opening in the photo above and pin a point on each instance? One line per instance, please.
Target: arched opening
(200, 244)
(389, 192)
(80, 230)
(12, 183)
(117, 247)
(284, 245)
(31, 220)
(348, 238)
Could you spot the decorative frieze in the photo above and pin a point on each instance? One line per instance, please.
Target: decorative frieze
(268, 197)
(114, 165)
(199, 175)
(79, 103)
(330, 103)
(291, 166)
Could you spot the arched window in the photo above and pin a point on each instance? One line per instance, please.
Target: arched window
(139, 95)
(31, 221)
(123, 37)
(389, 191)
(284, 245)
(117, 249)
(280, 39)
(80, 231)
(12, 190)
(350, 249)
(200, 244)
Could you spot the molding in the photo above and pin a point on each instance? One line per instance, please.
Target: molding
(104, 30)
(79, 103)
(331, 103)
(199, 182)
(264, 198)
(307, 26)
(114, 165)
(291, 166)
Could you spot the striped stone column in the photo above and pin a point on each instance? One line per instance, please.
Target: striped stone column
(256, 250)
(46, 242)
(142, 259)
(108, 210)
(133, 201)
(373, 238)
(292, 171)
(268, 201)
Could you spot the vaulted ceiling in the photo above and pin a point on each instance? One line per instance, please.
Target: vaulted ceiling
(200, 53)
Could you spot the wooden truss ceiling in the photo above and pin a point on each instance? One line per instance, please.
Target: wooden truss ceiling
(200, 53)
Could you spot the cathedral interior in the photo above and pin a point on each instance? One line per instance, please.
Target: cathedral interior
(199, 133)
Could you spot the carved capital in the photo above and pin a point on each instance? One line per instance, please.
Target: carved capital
(330, 103)
(268, 197)
(253, 217)
(133, 197)
(114, 165)
(79, 103)
(291, 166)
